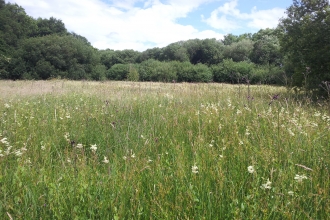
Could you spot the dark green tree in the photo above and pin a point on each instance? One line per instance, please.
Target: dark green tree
(305, 39)
(48, 27)
(56, 56)
(15, 25)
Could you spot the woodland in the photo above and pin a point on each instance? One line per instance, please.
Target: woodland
(295, 53)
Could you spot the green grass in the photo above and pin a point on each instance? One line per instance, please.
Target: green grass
(152, 134)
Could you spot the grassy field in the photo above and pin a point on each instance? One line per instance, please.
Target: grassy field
(124, 150)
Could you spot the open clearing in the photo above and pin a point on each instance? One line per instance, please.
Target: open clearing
(126, 150)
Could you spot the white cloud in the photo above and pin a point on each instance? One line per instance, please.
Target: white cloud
(228, 17)
(120, 24)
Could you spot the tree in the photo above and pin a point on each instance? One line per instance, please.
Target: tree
(239, 51)
(266, 50)
(175, 51)
(305, 39)
(55, 56)
(15, 25)
(49, 26)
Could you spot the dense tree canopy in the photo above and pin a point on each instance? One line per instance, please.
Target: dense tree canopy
(296, 52)
(305, 39)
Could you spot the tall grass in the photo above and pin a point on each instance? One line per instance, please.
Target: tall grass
(123, 150)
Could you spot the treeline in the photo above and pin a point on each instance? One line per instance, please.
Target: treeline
(43, 49)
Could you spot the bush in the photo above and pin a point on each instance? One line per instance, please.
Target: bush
(118, 72)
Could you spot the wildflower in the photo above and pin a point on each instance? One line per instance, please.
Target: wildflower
(124, 157)
(67, 136)
(290, 132)
(247, 132)
(7, 105)
(28, 161)
(18, 153)
(7, 152)
(43, 147)
(317, 114)
(93, 148)
(105, 160)
(4, 141)
(79, 146)
(240, 143)
(291, 193)
(299, 178)
(267, 185)
(250, 169)
(68, 160)
(194, 169)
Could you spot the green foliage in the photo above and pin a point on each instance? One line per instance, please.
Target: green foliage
(305, 41)
(267, 51)
(112, 57)
(133, 74)
(99, 72)
(153, 53)
(175, 51)
(154, 70)
(15, 25)
(52, 56)
(48, 27)
(239, 51)
(118, 72)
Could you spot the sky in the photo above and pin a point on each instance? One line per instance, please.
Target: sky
(145, 24)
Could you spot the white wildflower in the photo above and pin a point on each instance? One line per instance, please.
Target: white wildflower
(7, 105)
(124, 157)
(317, 114)
(43, 147)
(194, 169)
(4, 141)
(247, 132)
(93, 148)
(18, 153)
(7, 152)
(300, 178)
(267, 185)
(291, 193)
(68, 160)
(79, 146)
(240, 143)
(105, 160)
(313, 124)
(250, 169)
(290, 132)
(67, 136)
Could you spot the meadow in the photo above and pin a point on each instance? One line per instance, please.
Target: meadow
(129, 150)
